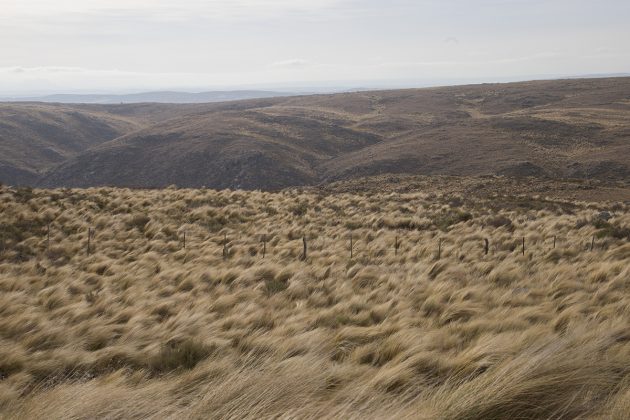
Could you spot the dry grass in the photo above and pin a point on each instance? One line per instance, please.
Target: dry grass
(142, 328)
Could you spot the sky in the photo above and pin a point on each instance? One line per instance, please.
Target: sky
(65, 46)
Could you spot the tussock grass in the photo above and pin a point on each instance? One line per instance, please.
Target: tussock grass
(142, 328)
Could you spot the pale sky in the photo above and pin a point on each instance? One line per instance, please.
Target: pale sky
(109, 45)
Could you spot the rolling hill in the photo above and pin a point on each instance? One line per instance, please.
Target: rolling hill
(576, 128)
(35, 137)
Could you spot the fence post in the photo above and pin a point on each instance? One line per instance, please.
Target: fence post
(184, 239)
(486, 246)
(592, 243)
(554, 241)
(396, 245)
(225, 251)
(439, 255)
(264, 241)
(351, 246)
(303, 258)
(48, 237)
(523, 246)
(89, 238)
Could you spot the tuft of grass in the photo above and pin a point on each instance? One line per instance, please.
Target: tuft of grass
(185, 354)
(444, 221)
(138, 221)
(273, 286)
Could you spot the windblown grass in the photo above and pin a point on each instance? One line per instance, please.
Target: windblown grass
(145, 328)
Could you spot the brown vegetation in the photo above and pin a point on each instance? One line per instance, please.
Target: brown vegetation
(143, 328)
(546, 129)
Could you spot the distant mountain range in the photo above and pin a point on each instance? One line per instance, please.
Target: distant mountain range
(170, 97)
(573, 128)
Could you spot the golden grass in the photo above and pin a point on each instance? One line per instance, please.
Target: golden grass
(143, 328)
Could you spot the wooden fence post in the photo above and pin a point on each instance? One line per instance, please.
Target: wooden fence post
(554, 241)
(48, 237)
(523, 246)
(439, 255)
(592, 243)
(303, 258)
(264, 241)
(351, 246)
(89, 238)
(396, 245)
(184, 239)
(486, 246)
(225, 250)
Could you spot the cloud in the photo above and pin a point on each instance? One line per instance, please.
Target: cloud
(293, 63)
(41, 70)
(41, 10)
(69, 79)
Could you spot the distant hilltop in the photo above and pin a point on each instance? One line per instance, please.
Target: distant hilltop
(170, 97)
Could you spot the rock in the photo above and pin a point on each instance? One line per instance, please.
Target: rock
(604, 215)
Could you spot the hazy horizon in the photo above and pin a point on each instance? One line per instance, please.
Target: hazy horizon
(296, 88)
(118, 46)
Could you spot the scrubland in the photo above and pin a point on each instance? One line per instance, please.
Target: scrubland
(145, 327)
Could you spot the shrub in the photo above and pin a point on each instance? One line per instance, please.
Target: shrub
(300, 208)
(23, 194)
(607, 229)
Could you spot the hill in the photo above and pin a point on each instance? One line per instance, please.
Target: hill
(34, 137)
(555, 129)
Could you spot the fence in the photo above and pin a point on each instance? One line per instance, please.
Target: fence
(485, 246)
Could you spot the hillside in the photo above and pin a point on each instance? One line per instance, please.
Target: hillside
(175, 308)
(575, 128)
(35, 137)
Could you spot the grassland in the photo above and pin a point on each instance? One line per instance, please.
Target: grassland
(143, 327)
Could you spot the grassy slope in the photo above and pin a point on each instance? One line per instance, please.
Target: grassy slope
(34, 137)
(143, 328)
(557, 129)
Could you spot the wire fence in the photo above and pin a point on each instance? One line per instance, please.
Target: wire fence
(350, 244)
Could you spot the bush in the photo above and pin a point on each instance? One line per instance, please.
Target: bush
(300, 209)
(23, 194)
(607, 229)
